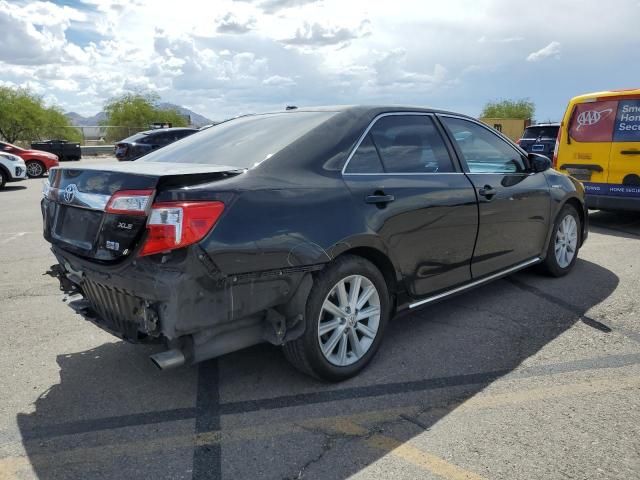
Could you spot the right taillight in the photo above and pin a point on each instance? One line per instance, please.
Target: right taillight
(173, 225)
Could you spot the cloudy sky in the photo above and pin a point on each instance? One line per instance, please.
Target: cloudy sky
(225, 57)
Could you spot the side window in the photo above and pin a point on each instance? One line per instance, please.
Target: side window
(484, 151)
(366, 159)
(410, 144)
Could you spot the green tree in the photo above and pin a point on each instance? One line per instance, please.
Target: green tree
(523, 109)
(133, 112)
(24, 117)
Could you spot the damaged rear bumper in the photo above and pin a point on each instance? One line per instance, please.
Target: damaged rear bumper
(184, 301)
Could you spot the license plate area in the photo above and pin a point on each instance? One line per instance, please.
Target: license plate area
(537, 148)
(76, 226)
(580, 173)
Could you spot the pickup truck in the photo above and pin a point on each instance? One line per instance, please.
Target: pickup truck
(62, 148)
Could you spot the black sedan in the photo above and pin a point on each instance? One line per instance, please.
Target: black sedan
(308, 229)
(135, 146)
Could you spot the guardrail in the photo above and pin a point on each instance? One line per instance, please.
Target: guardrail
(96, 150)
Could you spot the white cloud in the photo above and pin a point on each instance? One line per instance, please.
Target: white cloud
(551, 50)
(229, 23)
(233, 56)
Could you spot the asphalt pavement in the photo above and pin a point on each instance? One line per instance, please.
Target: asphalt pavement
(526, 378)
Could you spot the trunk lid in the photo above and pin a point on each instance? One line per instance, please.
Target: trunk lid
(75, 200)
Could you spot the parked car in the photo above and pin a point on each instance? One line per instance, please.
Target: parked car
(63, 149)
(599, 144)
(140, 144)
(38, 162)
(12, 169)
(540, 138)
(308, 229)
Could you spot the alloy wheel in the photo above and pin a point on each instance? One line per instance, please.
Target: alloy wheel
(35, 169)
(349, 320)
(566, 241)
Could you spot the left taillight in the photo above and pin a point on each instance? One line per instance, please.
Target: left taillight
(173, 225)
(130, 202)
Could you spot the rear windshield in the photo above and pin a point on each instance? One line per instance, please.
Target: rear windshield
(547, 132)
(242, 142)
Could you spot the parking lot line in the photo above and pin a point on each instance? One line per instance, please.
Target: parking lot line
(288, 401)
(420, 458)
(349, 425)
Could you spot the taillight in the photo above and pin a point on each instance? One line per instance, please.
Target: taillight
(557, 147)
(173, 225)
(518, 141)
(130, 202)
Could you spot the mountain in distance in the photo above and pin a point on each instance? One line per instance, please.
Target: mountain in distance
(196, 119)
(81, 121)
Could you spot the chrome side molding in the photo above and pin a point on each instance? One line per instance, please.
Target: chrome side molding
(476, 283)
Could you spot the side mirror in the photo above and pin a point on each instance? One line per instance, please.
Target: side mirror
(539, 163)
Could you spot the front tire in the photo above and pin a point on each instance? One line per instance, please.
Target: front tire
(3, 179)
(564, 244)
(35, 168)
(346, 315)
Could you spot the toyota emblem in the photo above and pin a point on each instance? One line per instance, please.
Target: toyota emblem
(70, 193)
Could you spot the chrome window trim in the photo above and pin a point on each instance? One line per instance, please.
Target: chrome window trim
(476, 283)
(89, 201)
(368, 129)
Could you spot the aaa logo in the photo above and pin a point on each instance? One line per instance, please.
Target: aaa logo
(591, 117)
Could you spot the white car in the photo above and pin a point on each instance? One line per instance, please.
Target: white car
(12, 169)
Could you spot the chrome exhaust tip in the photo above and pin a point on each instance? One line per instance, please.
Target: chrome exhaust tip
(173, 358)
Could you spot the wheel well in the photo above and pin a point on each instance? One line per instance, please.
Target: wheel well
(382, 263)
(5, 171)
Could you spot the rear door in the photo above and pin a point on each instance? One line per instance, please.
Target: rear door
(513, 204)
(539, 139)
(585, 151)
(416, 199)
(624, 162)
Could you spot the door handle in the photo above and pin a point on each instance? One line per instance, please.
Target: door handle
(487, 191)
(379, 199)
(630, 152)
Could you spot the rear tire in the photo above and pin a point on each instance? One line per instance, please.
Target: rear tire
(564, 244)
(35, 168)
(343, 332)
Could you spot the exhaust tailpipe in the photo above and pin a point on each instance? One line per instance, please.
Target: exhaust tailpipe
(173, 358)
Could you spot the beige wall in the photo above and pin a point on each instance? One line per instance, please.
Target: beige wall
(510, 127)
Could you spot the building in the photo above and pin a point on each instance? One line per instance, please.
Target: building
(510, 127)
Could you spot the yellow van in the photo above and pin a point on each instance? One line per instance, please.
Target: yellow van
(599, 144)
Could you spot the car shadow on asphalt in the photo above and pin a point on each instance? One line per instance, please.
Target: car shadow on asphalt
(113, 416)
(618, 224)
(9, 188)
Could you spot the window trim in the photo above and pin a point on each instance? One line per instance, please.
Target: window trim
(443, 134)
(460, 155)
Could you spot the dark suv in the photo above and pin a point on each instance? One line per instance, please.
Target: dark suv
(540, 139)
(140, 144)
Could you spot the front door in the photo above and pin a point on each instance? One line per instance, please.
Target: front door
(513, 203)
(416, 198)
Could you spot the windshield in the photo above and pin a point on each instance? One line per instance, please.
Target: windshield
(550, 132)
(243, 142)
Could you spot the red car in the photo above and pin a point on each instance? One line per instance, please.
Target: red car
(37, 161)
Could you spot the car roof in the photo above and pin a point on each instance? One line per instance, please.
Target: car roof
(172, 129)
(551, 124)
